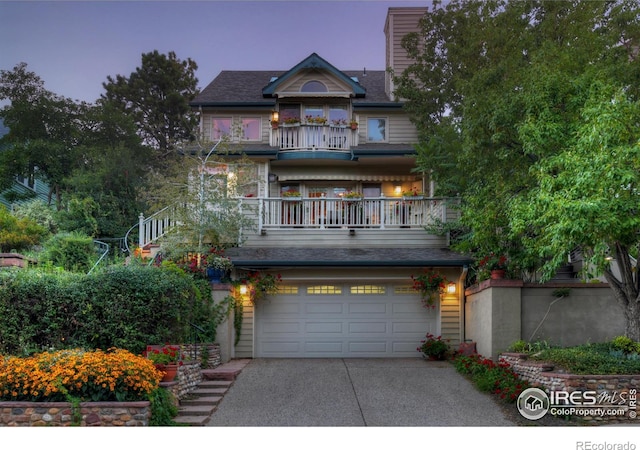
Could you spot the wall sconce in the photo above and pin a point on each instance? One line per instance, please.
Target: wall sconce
(273, 178)
(451, 288)
(352, 232)
(397, 190)
(263, 232)
(275, 116)
(243, 289)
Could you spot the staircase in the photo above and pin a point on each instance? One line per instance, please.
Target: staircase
(196, 409)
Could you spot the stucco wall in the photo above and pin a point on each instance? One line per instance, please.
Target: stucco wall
(499, 312)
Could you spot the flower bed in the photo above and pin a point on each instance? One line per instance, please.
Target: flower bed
(543, 375)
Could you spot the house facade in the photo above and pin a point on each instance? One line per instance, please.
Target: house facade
(339, 210)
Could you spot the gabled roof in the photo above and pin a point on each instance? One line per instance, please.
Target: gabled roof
(244, 88)
(313, 61)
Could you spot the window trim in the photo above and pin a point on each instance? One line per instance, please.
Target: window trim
(386, 129)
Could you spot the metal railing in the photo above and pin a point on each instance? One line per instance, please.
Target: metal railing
(351, 213)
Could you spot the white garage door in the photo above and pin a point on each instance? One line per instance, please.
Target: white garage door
(342, 320)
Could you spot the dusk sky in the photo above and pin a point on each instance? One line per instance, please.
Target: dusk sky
(74, 45)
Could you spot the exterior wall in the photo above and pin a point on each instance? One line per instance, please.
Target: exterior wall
(500, 312)
(40, 192)
(244, 348)
(94, 414)
(589, 314)
(400, 21)
(341, 238)
(492, 316)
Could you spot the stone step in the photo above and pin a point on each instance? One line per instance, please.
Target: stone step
(215, 384)
(196, 410)
(194, 421)
(204, 391)
(209, 400)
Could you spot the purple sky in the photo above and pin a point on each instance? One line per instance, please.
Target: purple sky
(73, 46)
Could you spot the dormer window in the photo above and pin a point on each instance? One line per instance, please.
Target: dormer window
(314, 86)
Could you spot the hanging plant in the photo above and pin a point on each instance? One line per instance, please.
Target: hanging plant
(259, 285)
(430, 285)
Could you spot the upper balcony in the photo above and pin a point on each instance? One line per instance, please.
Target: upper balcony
(308, 141)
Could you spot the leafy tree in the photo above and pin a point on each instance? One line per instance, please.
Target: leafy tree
(157, 97)
(529, 111)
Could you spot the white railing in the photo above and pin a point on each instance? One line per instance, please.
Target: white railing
(151, 228)
(347, 213)
(314, 137)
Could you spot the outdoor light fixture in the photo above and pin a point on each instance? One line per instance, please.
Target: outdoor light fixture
(243, 289)
(397, 190)
(352, 232)
(275, 116)
(451, 288)
(273, 178)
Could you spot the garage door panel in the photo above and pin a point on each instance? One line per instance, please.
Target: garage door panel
(377, 347)
(324, 308)
(324, 348)
(367, 308)
(368, 327)
(324, 327)
(347, 325)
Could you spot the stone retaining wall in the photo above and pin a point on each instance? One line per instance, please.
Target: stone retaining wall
(94, 414)
(542, 375)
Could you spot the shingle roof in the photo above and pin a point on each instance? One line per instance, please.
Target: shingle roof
(238, 86)
(345, 257)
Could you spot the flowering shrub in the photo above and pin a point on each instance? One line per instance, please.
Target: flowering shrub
(168, 354)
(259, 285)
(434, 347)
(493, 261)
(215, 259)
(114, 375)
(430, 285)
(489, 376)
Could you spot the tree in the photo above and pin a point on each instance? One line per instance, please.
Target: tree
(157, 97)
(510, 98)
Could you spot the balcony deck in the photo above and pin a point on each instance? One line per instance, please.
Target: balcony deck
(334, 141)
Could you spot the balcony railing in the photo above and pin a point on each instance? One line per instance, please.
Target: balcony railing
(314, 137)
(349, 213)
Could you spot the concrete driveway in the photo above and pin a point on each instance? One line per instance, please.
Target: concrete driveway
(354, 393)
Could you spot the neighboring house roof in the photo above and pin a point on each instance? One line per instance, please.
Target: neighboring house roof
(345, 257)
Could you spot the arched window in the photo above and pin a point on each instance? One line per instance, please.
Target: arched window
(313, 86)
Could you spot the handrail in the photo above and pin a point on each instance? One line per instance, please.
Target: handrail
(195, 337)
(100, 245)
(143, 222)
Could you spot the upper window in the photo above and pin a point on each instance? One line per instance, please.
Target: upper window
(313, 86)
(251, 129)
(377, 129)
(220, 127)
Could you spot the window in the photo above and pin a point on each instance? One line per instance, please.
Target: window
(377, 129)
(288, 290)
(313, 111)
(313, 86)
(289, 111)
(338, 115)
(29, 181)
(324, 290)
(368, 289)
(251, 129)
(404, 290)
(220, 127)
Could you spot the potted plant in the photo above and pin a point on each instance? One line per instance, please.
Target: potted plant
(311, 120)
(430, 285)
(290, 121)
(413, 194)
(259, 284)
(339, 123)
(291, 195)
(218, 265)
(353, 124)
(166, 358)
(352, 195)
(275, 124)
(434, 347)
(495, 264)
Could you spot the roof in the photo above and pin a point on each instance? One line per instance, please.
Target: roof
(245, 87)
(345, 257)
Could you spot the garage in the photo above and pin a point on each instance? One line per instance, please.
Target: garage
(346, 319)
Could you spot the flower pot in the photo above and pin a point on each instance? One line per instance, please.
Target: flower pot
(354, 126)
(497, 274)
(170, 371)
(215, 275)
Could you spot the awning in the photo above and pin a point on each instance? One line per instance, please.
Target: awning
(338, 177)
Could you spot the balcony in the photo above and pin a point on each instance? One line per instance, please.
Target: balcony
(314, 141)
(326, 213)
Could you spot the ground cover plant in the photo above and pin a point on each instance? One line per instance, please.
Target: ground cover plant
(488, 376)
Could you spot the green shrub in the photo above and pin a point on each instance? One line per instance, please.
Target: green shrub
(39, 212)
(625, 345)
(125, 307)
(73, 251)
(18, 234)
(594, 359)
(163, 409)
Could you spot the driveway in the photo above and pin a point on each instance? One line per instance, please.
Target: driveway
(355, 393)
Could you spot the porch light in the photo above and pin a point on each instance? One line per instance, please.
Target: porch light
(397, 190)
(451, 288)
(243, 289)
(275, 116)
